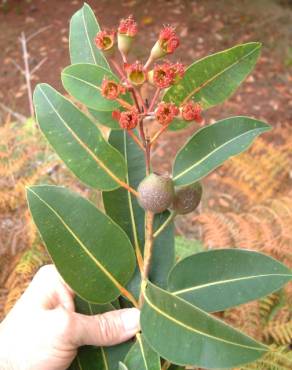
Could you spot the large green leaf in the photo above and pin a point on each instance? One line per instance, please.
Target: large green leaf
(125, 211)
(218, 279)
(77, 141)
(91, 252)
(212, 145)
(83, 29)
(90, 357)
(185, 335)
(213, 79)
(83, 82)
(141, 356)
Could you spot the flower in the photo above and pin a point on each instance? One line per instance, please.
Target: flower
(126, 32)
(191, 111)
(178, 70)
(166, 74)
(104, 40)
(135, 73)
(128, 27)
(168, 40)
(166, 43)
(166, 112)
(111, 89)
(128, 120)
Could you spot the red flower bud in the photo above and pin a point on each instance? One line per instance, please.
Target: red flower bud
(191, 111)
(111, 89)
(126, 32)
(128, 120)
(166, 44)
(135, 72)
(166, 112)
(128, 27)
(104, 40)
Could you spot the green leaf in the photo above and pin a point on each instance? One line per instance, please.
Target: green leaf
(105, 118)
(218, 279)
(91, 252)
(90, 357)
(83, 82)
(77, 141)
(212, 145)
(116, 354)
(185, 247)
(211, 80)
(185, 335)
(141, 356)
(83, 29)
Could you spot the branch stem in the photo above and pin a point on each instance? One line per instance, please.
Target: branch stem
(149, 218)
(155, 96)
(117, 67)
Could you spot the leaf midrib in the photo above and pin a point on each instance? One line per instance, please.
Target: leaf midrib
(218, 74)
(142, 351)
(220, 282)
(189, 328)
(87, 36)
(81, 244)
(84, 146)
(213, 152)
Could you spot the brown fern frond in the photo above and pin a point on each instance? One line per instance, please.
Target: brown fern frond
(29, 262)
(278, 358)
(279, 333)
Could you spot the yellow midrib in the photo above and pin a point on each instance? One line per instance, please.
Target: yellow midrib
(219, 282)
(99, 162)
(84, 248)
(195, 91)
(213, 152)
(87, 36)
(189, 328)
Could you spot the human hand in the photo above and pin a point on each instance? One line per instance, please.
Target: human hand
(43, 332)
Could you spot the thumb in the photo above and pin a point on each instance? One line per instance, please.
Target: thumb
(106, 329)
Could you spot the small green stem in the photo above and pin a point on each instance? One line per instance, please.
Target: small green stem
(165, 224)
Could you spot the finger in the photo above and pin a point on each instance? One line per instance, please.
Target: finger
(106, 329)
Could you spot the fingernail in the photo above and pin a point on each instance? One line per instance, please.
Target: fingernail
(131, 319)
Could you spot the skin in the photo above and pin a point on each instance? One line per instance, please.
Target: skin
(43, 331)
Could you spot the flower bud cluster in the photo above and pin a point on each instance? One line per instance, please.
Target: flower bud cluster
(135, 74)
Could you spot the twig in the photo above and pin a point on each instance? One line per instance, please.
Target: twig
(38, 65)
(27, 72)
(37, 32)
(155, 96)
(117, 67)
(17, 66)
(149, 218)
(18, 116)
(133, 92)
